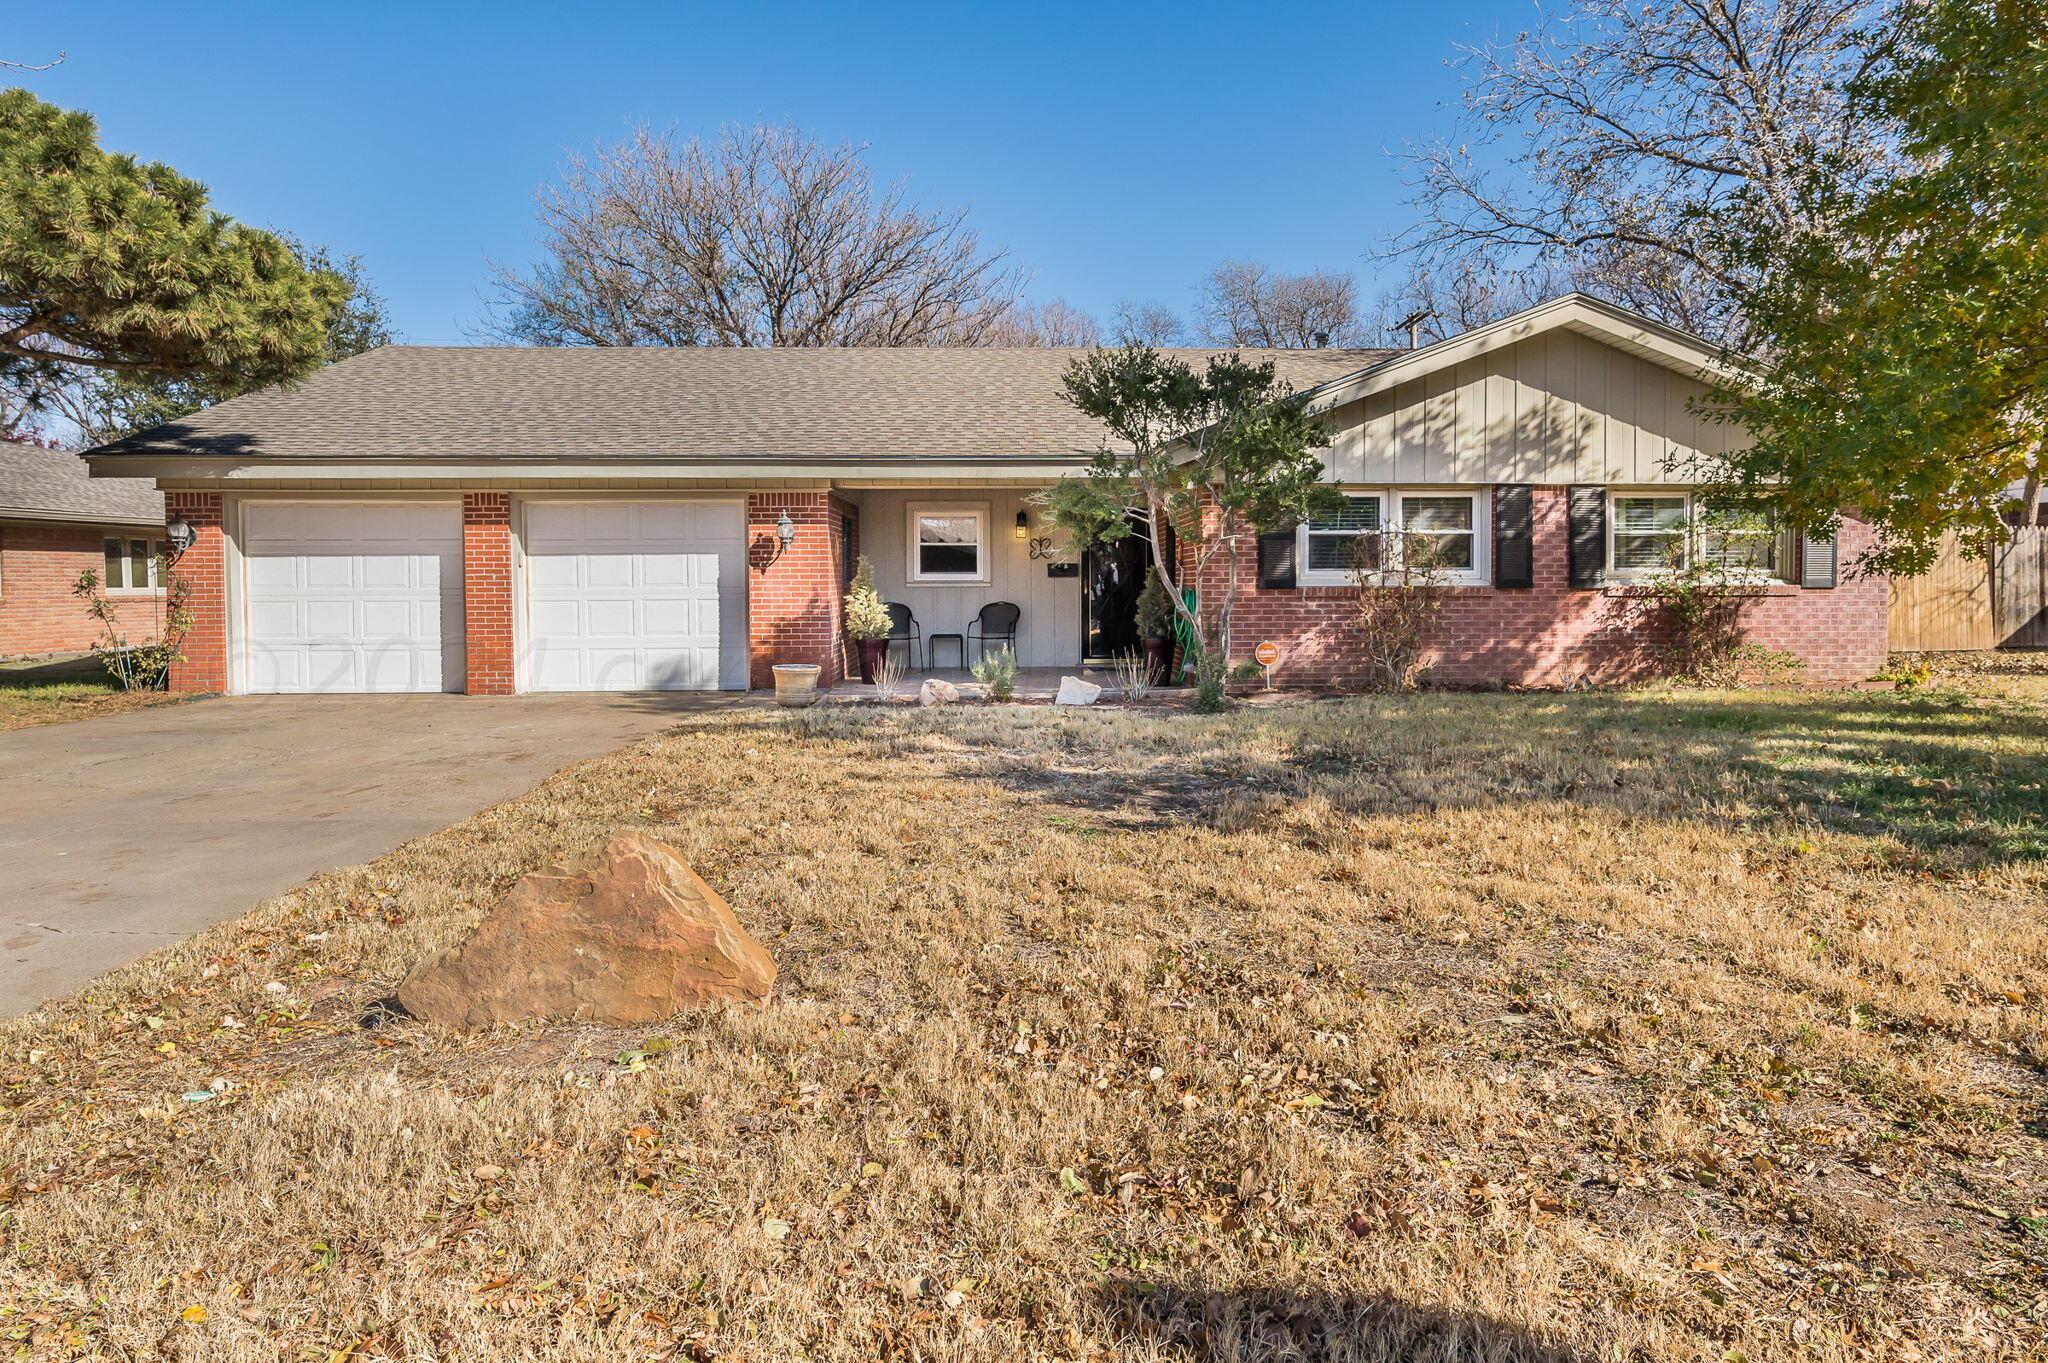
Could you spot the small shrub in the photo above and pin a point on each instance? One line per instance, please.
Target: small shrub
(1133, 676)
(888, 677)
(997, 673)
(1212, 674)
(1155, 608)
(867, 614)
(1401, 596)
(138, 667)
(1698, 612)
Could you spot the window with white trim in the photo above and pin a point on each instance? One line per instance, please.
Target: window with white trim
(1653, 533)
(1447, 523)
(948, 544)
(1649, 534)
(1743, 541)
(1376, 523)
(131, 564)
(1333, 549)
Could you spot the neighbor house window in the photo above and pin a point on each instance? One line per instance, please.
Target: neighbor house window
(1651, 534)
(131, 564)
(1335, 548)
(1374, 524)
(948, 544)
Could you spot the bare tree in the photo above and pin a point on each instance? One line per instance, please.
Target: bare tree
(1055, 322)
(1596, 142)
(1243, 303)
(1437, 303)
(764, 237)
(1152, 324)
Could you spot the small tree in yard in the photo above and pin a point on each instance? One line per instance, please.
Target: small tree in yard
(1402, 587)
(1219, 455)
(137, 667)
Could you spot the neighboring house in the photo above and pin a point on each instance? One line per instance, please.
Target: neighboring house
(56, 522)
(501, 520)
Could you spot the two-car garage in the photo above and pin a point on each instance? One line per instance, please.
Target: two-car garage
(608, 595)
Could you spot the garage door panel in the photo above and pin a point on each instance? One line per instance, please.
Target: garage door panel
(658, 592)
(357, 596)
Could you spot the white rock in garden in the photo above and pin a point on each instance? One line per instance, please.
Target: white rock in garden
(936, 692)
(1074, 691)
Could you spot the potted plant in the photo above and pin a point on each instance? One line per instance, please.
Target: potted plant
(1155, 626)
(867, 619)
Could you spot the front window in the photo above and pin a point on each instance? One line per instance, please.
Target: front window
(1339, 545)
(1650, 535)
(948, 544)
(1375, 528)
(1442, 527)
(1742, 541)
(131, 564)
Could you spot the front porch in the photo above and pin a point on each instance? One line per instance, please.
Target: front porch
(1033, 683)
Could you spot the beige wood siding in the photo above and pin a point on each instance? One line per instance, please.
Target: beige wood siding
(1557, 408)
(1049, 631)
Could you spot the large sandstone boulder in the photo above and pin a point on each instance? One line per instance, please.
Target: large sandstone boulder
(625, 933)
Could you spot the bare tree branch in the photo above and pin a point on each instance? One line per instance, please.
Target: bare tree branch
(1243, 303)
(1595, 143)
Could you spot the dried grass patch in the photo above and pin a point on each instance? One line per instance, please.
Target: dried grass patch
(1654, 1027)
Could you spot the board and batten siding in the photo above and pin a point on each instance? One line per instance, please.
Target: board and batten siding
(1558, 408)
(1048, 631)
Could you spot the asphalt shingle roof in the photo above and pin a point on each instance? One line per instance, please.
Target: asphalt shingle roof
(38, 483)
(484, 403)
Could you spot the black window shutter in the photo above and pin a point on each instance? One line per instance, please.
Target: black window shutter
(1276, 560)
(1514, 552)
(1588, 536)
(1817, 561)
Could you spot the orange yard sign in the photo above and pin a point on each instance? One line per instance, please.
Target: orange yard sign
(1267, 654)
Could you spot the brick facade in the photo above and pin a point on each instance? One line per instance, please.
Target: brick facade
(39, 563)
(793, 595)
(1551, 633)
(203, 662)
(487, 592)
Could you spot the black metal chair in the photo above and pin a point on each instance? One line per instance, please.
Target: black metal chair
(997, 623)
(903, 626)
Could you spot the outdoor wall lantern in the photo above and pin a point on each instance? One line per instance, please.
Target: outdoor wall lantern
(180, 534)
(1023, 526)
(785, 531)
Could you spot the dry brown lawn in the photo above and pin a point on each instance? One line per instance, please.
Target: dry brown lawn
(25, 707)
(1653, 1026)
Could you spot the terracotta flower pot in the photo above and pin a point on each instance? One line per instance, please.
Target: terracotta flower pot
(1158, 658)
(872, 651)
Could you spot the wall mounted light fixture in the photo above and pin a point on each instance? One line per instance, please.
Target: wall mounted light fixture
(180, 534)
(785, 531)
(1023, 526)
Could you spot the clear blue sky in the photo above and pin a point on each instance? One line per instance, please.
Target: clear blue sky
(1114, 150)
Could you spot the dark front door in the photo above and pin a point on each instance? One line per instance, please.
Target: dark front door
(1112, 575)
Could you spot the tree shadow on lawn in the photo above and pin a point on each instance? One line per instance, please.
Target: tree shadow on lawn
(1269, 1323)
(1966, 778)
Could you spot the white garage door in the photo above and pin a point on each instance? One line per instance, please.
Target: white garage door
(635, 596)
(353, 596)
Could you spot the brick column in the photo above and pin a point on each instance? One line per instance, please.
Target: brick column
(202, 664)
(487, 592)
(793, 594)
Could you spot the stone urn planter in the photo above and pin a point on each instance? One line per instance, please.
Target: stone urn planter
(872, 652)
(796, 684)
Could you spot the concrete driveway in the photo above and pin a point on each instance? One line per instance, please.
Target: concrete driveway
(121, 834)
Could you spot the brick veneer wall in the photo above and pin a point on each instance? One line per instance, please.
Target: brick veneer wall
(39, 563)
(487, 592)
(203, 665)
(793, 595)
(1551, 633)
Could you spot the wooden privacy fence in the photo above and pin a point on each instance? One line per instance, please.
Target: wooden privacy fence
(1965, 603)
